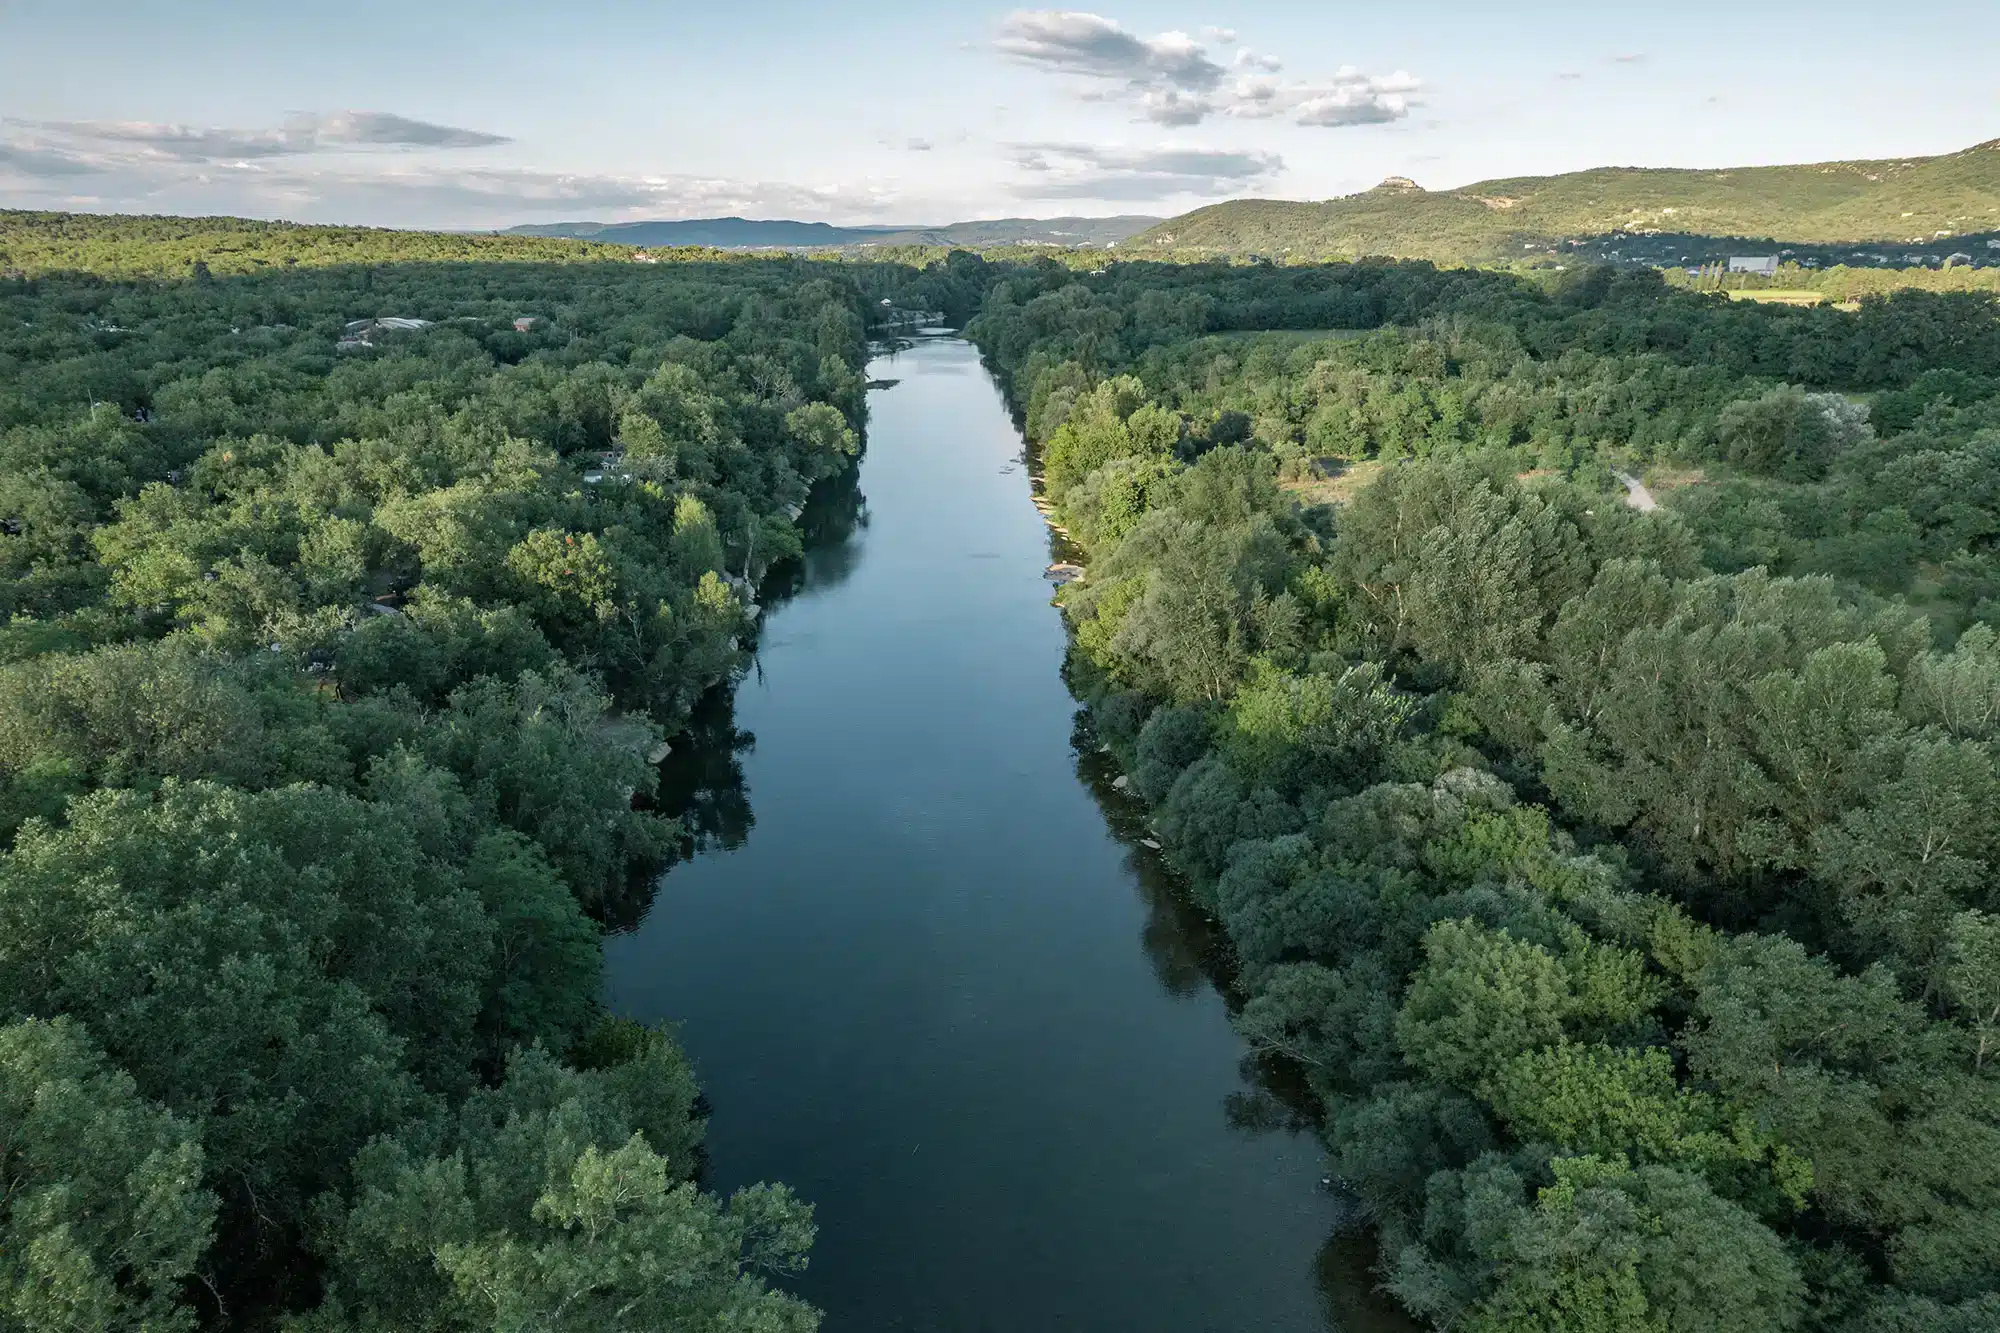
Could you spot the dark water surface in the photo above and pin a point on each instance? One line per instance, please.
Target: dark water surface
(926, 972)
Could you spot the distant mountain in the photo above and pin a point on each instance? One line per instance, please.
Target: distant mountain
(747, 233)
(1904, 200)
(1039, 231)
(722, 233)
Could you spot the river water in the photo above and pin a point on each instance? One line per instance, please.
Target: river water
(925, 968)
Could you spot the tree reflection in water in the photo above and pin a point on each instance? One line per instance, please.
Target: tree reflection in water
(1190, 953)
(701, 779)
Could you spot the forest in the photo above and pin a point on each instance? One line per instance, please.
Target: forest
(344, 614)
(1621, 878)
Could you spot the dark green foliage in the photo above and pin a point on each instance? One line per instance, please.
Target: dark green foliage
(332, 681)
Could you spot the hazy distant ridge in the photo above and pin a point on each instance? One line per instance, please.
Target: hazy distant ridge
(748, 233)
(1907, 200)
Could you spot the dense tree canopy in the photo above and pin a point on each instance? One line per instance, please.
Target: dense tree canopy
(1621, 881)
(335, 661)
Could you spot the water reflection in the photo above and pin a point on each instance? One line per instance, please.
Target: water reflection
(1191, 954)
(1349, 1297)
(701, 780)
(835, 514)
(913, 993)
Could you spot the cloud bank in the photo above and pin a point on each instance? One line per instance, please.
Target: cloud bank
(341, 131)
(356, 166)
(1171, 79)
(1088, 171)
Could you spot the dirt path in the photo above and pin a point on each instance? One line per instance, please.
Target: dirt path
(1636, 493)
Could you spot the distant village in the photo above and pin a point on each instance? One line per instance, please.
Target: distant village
(1746, 257)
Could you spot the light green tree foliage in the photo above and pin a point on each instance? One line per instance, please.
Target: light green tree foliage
(1610, 1101)
(1313, 731)
(697, 545)
(1113, 421)
(822, 441)
(1197, 589)
(560, 1200)
(102, 1214)
(1107, 504)
(1483, 998)
(676, 420)
(571, 574)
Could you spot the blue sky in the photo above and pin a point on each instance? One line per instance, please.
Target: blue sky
(460, 114)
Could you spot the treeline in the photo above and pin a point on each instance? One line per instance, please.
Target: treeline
(1627, 902)
(1850, 444)
(334, 671)
(126, 246)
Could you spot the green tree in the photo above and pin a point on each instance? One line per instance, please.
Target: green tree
(555, 1205)
(102, 1214)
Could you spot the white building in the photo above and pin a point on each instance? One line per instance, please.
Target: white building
(1762, 265)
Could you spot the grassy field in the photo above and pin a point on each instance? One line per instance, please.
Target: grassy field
(1780, 296)
(1339, 482)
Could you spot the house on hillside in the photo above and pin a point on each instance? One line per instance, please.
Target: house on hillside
(527, 323)
(1763, 266)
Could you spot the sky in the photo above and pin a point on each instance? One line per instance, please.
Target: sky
(487, 113)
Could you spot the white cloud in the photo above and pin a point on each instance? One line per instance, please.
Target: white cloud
(38, 162)
(1171, 106)
(341, 131)
(1066, 41)
(1350, 97)
(1110, 172)
(358, 128)
(1170, 78)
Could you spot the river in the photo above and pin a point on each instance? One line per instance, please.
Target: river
(927, 972)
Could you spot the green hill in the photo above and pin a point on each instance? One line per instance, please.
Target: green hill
(1898, 199)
